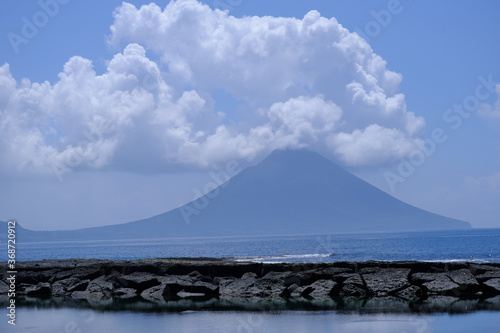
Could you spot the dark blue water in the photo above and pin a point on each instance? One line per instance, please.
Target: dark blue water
(479, 245)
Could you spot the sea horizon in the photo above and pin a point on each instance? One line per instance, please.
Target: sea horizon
(476, 244)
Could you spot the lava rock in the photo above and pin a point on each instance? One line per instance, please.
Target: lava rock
(411, 293)
(320, 289)
(239, 287)
(463, 277)
(488, 275)
(41, 289)
(154, 294)
(138, 280)
(125, 293)
(97, 289)
(4, 287)
(175, 284)
(353, 290)
(493, 284)
(440, 285)
(387, 280)
(67, 286)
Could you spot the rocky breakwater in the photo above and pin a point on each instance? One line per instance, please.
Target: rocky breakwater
(205, 283)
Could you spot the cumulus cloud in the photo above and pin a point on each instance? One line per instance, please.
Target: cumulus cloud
(372, 145)
(273, 63)
(85, 120)
(303, 83)
(488, 111)
(304, 120)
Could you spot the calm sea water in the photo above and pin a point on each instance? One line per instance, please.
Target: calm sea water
(481, 245)
(83, 320)
(478, 245)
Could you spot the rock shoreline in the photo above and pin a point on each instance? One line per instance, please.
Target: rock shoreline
(178, 284)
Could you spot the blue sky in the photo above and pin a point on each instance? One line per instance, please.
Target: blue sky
(434, 53)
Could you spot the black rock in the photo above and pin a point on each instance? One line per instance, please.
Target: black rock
(41, 289)
(138, 280)
(188, 284)
(202, 283)
(239, 287)
(387, 280)
(126, 292)
(441, 285)
(320, 289)
(97, 289)
(411, 293)
(67, 286)
(353, 290)
(488, 275)
(4, 288)
(493, 284)
(154, 294)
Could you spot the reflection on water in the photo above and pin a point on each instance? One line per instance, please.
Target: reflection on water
(87, 320)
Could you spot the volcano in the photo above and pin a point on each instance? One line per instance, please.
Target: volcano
(291, 192)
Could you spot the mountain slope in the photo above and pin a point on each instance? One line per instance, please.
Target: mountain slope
(290, 192)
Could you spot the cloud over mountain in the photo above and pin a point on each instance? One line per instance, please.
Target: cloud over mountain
(298, 82)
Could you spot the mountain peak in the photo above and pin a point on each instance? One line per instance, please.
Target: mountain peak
(289, 192)
(300, 155)
(298, 191)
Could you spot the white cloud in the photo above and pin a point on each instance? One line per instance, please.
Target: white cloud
(303, 83)
(92, 121)
(269, 61)
(488, 111)
(304, 119)
(372, 145)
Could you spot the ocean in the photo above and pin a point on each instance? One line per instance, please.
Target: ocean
(478, 245)
(475, 245)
